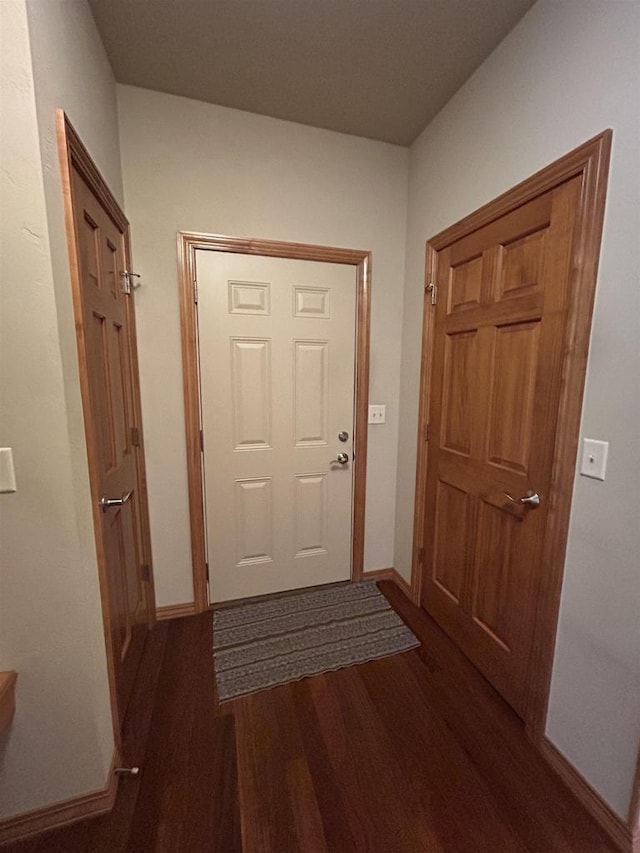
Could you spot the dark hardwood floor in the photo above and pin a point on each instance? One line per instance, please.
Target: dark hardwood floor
(411, 754)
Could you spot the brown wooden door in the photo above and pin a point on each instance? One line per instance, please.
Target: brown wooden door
(496, 375)
(108, 361)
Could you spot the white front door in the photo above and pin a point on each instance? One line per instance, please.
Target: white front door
(277, 357)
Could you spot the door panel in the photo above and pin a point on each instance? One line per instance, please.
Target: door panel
(310, 401)
(511, 395)
(251, 390)
(465, 285)
(492, 579)
(497, 365)
(107, 353)
(450, 552)
(277, 357)
(254, 522)
(460, 354)
(521, 262)
(310, 514)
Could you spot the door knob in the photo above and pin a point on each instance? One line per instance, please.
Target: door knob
(107, 503)
(342, 459)
(530, 499)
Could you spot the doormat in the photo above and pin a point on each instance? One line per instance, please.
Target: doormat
(261, 644)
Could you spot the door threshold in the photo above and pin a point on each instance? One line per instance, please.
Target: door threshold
(256, 599)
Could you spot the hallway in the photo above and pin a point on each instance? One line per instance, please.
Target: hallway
(411, 754)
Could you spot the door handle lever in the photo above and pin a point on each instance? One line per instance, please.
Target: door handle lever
(107, 503)
(342, 459)
(530, 499)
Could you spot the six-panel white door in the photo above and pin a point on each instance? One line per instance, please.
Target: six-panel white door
(277, 355)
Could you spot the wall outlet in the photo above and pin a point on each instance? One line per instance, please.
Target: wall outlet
(7, 472)
(377, 414)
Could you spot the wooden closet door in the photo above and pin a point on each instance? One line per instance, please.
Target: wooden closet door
(499, 330)
(107, 338)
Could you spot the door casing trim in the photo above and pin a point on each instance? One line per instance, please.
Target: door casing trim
(591, 162)
(188, 244)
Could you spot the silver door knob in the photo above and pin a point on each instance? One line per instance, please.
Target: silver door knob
(530, 499)
(107, 503)
(342, 459)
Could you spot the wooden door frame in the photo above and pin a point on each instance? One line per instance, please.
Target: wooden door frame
(634, 807)
(591, 162)
(73, 154)
(188, 244)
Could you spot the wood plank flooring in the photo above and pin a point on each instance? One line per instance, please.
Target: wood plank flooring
(410, 754)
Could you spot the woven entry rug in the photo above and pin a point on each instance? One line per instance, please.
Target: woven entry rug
(259, 645)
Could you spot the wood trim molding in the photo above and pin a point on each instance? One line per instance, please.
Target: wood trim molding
(188, 244)
(634, 807)
(615, 826)
(591, 154)
(73, 151)
(362, 262)
(399, 581)
(390, 575)
(141, 463)
(591, 162)
(379, 575)
(424, 402)
(175, 611)
(7, 698)
(65, 812)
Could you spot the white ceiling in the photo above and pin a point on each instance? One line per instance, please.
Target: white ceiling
(375, 68)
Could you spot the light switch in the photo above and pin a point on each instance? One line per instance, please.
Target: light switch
(594, 458)
(377, 414)
(7, 473)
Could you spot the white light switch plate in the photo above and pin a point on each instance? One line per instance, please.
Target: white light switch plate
(377, 414)
(7, 472)
(594, 458)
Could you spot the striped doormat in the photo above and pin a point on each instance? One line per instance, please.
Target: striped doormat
(259, 645)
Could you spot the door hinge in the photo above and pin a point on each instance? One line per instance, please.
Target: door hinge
(146, 572)
(427, 432)
(128, 281)
(206, 565)
(433, 290)
(195, 291)
(201, 441)
(135, 436)
(420, 556)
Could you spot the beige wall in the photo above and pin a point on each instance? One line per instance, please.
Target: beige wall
(566, 72)
(60, 744)
(193, 166)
